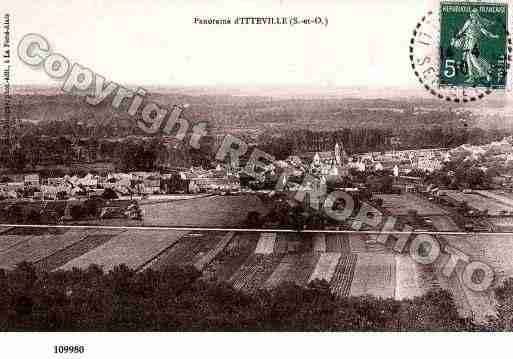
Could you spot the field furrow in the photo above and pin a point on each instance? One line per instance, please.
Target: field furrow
(9, 241)
(325, 267)
(231, 258)
(265, 243)
(245, 273)
(337, 243)
(214, 251)
(36, 248)
(304, 268)
(408, 283)
(281, 245)
(374, 275)
(343, 276)
(319, 242)
(192, 248)
(357, 243)
(282, 271)
(133, 248)
(265, 266)
(482, 304)
(91, 240)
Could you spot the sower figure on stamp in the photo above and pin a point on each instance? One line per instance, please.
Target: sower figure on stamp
(468, 40)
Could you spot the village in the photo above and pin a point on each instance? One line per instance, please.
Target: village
(372, 175)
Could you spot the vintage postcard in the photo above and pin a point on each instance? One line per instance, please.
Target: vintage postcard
(291, 166)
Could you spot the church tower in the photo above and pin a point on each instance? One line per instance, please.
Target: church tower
(340, 155)
(338, 160)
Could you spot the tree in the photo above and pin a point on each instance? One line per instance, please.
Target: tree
(92, 206)
(253, 219)
(380, 183)
(78, 212)
(62, 195)
(504, 297)
(15, 214)
(33, 216)
(109, 194)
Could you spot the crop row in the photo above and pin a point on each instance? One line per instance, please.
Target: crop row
(337, 243)
(231, 258)
(263, 268)
(343, 276)
(74, 250)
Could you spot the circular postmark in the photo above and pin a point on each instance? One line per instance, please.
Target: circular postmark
(433, 52)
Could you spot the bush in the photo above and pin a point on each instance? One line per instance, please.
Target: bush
(33, 217)
(109, 194)
(78, 212)
(177, 299)
(15, 214)
(253, 219)
(62, 195)
(92, 206)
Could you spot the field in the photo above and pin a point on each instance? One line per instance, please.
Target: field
(212, 211)
(444, 223)
(482, 304)
(480, 202)
(325, 267)
(337, 243)
(135, 248)
(319, 242)
(295, 268)
(501, 196)
(494, 250)
(3, 230)
(214, 251)
(352, 264)
(35, 248)
(281, 272)
(266, 243)
(343, 276)
(357, 242)
(193, 248)
(253, 274)
(408, 281)
(374, 275)
(400, 204)
(304, 264)
(8, 241)
(93, 239)
(469, 303)
(232, 257)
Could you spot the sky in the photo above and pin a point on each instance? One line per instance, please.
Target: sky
(154, 42)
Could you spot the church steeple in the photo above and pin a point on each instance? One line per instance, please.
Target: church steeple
(338, 160)
(340, 155)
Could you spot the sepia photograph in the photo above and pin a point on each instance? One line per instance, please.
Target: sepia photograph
(293, 166)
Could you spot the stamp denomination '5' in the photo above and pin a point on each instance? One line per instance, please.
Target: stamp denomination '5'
(473, 44)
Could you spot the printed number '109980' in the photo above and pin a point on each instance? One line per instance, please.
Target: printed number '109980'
(68, 349)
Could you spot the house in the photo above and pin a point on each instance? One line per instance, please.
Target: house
(428, 164)
(31, 180)
(151, 184)
(89, 180)
(212, 184)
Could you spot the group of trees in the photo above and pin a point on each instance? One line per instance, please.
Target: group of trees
(372, 139)
(460, 174)
(177, 299)
(52, 211)
(129, 154)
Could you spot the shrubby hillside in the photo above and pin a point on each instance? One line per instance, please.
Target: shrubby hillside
(177, 299)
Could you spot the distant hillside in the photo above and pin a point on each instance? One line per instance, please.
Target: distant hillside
(225, 111)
